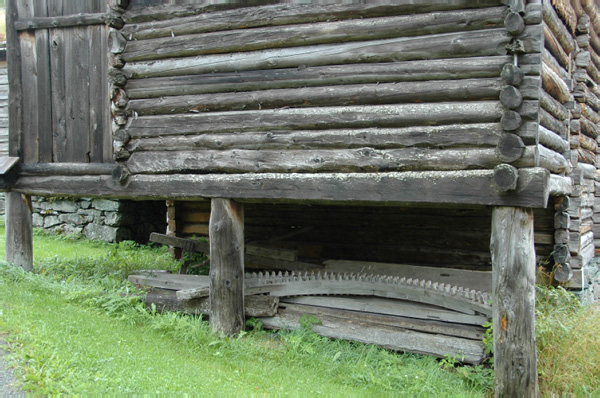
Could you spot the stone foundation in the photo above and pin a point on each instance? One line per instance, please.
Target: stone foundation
(100, 219)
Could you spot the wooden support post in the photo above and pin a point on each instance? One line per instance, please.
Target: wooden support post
(513, 284)
(19, 230)
(226, 232)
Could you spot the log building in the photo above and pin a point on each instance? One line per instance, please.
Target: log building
(406, 137)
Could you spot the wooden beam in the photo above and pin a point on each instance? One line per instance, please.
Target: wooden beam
(513, 282)
(19, 230)
(226, 266)
(68, 21)
(458, 187)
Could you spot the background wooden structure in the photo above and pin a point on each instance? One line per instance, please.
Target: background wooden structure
(402, 132)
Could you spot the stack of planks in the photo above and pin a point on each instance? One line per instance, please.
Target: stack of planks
(406, 313)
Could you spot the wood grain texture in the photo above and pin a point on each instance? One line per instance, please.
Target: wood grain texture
(19, 230)
(226, 267)
(513, 280)
(466, 187)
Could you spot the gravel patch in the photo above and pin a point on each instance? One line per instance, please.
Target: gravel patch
(6, 376)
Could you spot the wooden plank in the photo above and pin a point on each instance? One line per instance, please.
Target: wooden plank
(341, 117)
(31, 106)
(513, 275)
(58, 78)
(69, 21)
(388, 307)
(98, 89)
(328, 75)
(445, 136)
(363, 329)
(19, 232)
(44, 93)
(363, 94)
(296, 35)
(465, 187)
(489, 42)
(78, 96)
(165, 300)
(64, 168)
(226, 266)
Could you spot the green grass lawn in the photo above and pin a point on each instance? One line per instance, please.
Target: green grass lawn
(72, 328)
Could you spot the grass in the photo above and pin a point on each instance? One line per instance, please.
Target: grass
(73, 329)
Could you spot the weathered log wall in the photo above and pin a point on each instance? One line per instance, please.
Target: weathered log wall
(570, 107)
(328, 89)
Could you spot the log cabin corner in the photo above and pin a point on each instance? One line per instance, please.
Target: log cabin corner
(406, 160)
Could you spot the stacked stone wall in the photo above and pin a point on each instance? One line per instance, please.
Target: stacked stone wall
(100, 219)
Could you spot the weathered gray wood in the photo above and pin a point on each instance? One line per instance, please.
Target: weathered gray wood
(318, 118)
(510, 148)
(69, 169)
(553, 107)
(116, 42)
(559, 30)
(560, 185)
(98, 128)
(467, 187)
(334, 160)
(363, 94)
(512, 74)
(552, 140)
(280, 14)
(552, 124)
(554, 85)
(514, 23)
(19, 232)
(15, 81)
(29, 71)
(77, 54)
(459, 68)
(552, 44)
(388, 307)
(351, 30)
(505, 177)
(513, 264)
(488, 42)
(369, 329)
(59, 94)
(445, 136)
(226, 266)
(67, 21)
(189, 294)
(511, 121)
(166, 300)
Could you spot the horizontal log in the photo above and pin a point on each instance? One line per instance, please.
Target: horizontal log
(586, 156)
(554, 85)
(553, 107)
(262, 38)
(490, 42)
(452, 187)
(553, 45)
(540, 156)
(331, 75)
(558, 29)
(145, 21)
(334, 160)
(318, 118)
(386, 93)
(589, 113)
(552, 140)
(68, 21)
(588, 143)
(69, 169)
(552, 124)
(447, 136)
(560, 186)
(588, 128)
(553, 64)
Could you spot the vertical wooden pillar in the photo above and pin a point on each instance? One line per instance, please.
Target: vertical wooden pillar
(19, 231)
(226, 232)
(513, 284)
